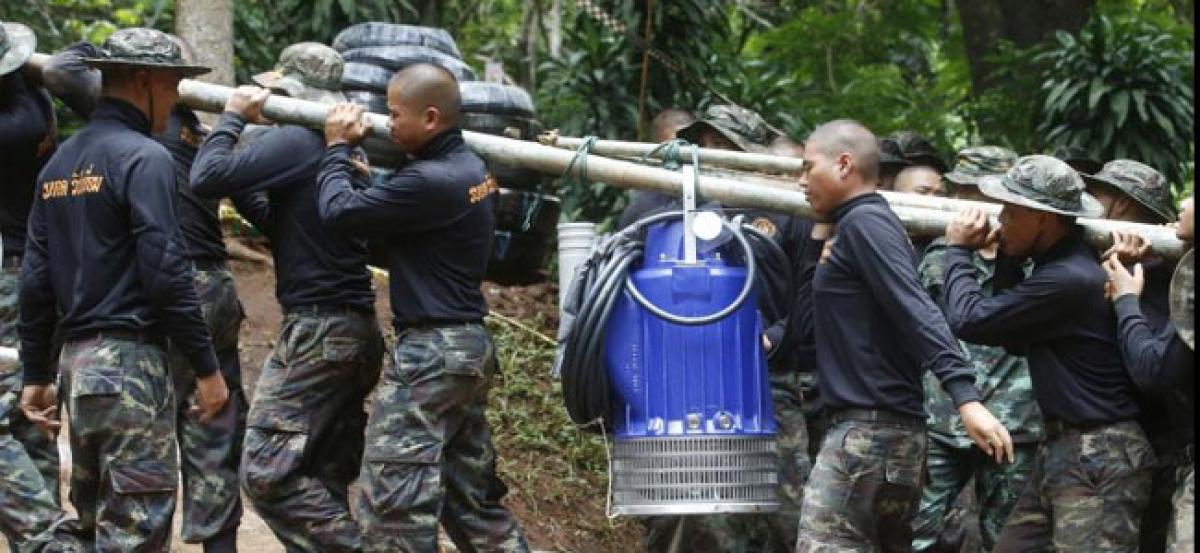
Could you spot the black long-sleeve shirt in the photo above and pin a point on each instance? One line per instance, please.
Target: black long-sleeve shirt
(1161, 366)
(1059, 319)
(877, 330)
(785, 270)
(104, 247)
(434, 218)
(27, 140)
(315, 263)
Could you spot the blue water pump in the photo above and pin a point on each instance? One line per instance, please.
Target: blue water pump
(691, 410)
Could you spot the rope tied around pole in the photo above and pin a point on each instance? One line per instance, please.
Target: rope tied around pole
(580, 157)
(670, 154)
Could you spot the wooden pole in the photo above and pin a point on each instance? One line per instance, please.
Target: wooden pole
(921, 216)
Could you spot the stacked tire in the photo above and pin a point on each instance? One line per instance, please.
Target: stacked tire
(526, 217)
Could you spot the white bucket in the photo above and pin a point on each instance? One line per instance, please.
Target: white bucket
(574, 245)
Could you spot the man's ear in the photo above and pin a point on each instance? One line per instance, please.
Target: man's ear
(845, 164)
(433, 117)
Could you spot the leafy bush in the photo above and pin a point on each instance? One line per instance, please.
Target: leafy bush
(1121, 89)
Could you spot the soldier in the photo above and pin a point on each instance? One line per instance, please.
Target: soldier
(922, 180)
(876, 332)
(785, 268)
(1092, 474)
(105, 260)
(1135, 192)
(919, 151)
(1003, 379)
(1161, 364)
(429, 455)
(30, 517)
(304, 436)
(211, 451)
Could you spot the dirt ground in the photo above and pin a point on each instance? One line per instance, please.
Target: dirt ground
(554, 517)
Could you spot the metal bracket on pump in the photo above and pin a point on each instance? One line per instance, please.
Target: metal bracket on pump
(689, 214)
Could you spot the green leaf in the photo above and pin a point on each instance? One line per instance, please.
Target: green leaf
(1120, 106)
(1095, 92)
(1139, 100)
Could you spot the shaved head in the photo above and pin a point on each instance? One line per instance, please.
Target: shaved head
(845, 136)
(425, 85)
(670, 120)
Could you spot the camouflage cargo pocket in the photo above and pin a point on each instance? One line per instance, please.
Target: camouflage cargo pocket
(142, 477)
(97, 381)
(341, 350)
(275, 444)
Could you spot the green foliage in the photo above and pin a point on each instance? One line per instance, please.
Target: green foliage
(1122, 89)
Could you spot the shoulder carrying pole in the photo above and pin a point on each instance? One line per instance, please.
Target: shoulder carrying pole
(920, 216)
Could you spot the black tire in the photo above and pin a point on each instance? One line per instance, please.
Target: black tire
(495, 98)
(377, 33)
(515, 207)
(510, 126)
(396, 58)
(518, 258)
(373, 101)
(366, 77)
(515, 178)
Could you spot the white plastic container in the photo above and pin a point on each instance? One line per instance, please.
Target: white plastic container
(574, 245)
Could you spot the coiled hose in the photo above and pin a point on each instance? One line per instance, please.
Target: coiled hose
(588, 304)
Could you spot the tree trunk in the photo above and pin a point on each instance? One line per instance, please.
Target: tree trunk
(554, 36)
(207, 25)
(1025, 23)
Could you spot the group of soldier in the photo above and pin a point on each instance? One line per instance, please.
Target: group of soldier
(115, 280)
(1012, 356)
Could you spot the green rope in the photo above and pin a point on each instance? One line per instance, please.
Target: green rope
(581, 155)
(670, 153)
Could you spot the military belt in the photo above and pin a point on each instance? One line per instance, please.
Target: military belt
(125, 336)
(439, 323)
(325, 310)
(1056, 427)
(877, 416)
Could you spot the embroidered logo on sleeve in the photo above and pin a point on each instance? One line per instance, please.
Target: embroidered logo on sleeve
(481, 191)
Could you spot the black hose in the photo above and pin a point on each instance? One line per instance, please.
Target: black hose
(588, 304)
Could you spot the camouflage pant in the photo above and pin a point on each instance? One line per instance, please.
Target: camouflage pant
(124, 470)
(304, 435)
(1182, 537)
(40, 449)
(775, 532)
(864, 488)
(210, 452)
(429, 455)
(997, 487)
(1087, 492)
(29, 515)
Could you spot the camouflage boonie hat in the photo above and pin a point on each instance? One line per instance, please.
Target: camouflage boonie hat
(139, 47)
(741, 126)
(1078, 158)
(1138, 181)
(1043, 183)
(917, 150)
(980, 161)
(17, 43)
(308, 71)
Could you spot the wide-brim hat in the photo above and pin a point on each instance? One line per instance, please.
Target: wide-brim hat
(294, 88)
(692, 133)
(144, 48)
(1003, 188)
(184, 70)
(1138, 181)
(20, 42)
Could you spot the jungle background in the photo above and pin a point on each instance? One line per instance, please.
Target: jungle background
(1112, 76)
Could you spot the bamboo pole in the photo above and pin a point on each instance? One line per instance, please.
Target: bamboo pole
(743, 161)
(923, 217)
